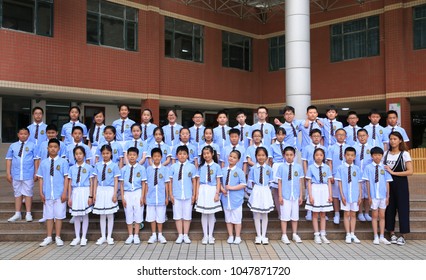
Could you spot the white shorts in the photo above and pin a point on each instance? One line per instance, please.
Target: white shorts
(134, 210)
(55, 209)
(349, 206)
(378, 203)
(234, 216)
(23, 187)
(155, 214)
(335, 189)
(182, 209)
(290, 210)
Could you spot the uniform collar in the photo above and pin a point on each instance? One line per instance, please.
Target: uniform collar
(125, 120)
(107, 163)
(290, 163)
(258, 165)
(134, 165)
(76, 122)
(210, 164)
(317, 166)
(233, 168)
(80, 165)
(154, 166)
(34, 123)
(374, 164)
(55, 158)
(347, 165)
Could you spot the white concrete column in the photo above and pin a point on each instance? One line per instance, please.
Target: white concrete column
(298, 56)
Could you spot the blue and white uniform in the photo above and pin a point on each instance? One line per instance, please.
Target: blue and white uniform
(233, 202)
(260, 177)
(67, 131)
(105, 190)
(290, 189)
(245, 133)
(132, 177)
(319, 175)
(156, 193)
(268, 131)
(37, 132)
(171, 134)
(81, 180)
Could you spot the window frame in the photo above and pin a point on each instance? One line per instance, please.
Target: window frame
(277, 47)
(227, 44)
(35, 18)
(423, 19)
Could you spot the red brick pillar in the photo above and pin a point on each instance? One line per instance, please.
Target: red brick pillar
(154, 106)
(405, 116)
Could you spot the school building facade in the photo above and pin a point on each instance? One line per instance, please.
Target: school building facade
(207, 56)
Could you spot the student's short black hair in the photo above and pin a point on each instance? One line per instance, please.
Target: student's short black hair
(234, 131)
(76, 128)
(133, 149)
(376, 150)
(51, 127)
(374, 112)
(311, 107)
(362, 130)
(156, 150)
(289, 148)
(340, 129)
(37, 108)
(315, 130)
(54, 140)
(239, 112)
(262, 107)
(391, 112)
(331, 108)
(221, 112)
(238, 153)
(81, 148)
(350, 149)
(259, 149)
(198, 113)
(289, 108)
(280, 129)
(24, 128)
(123, 105)
(352, 113)
(182, 148)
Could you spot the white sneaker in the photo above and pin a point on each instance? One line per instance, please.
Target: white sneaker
(46, 242)
(129, 240)
(336, 220)
(384, 241)
(205, 240)
(324, 239)
(284, 239)
(179, 240)
(258, 240)
(162, 239)
(152, 239)
(211, 240)
(101, 241)
(28, 217)
(376, 241)
(71, 220)
(230, 239)
(355, 239)
(361, 217)
(367, 217)
(308, 216)
(186, 239)
(15, 218)
(296, 238)
(59, 241)
(348, 239)
(110, 241)
(83, 242)
(393, 239)
(317, 239)
(136, 239)
(42, 220)
(237, 240)
(265, 240)
(75, 242)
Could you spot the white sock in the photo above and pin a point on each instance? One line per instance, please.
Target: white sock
(322, 232)
(382, 236)
(264, 224)
(154, 234)
(337, 214)
(352, 233)
(18, 213)
(256, 217)
(28, 213)
(110, 224)
(204, 223)
(212, 221)
(77, 226)
(85, 226)
(102, 221)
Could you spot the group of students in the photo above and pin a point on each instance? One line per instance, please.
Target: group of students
(210, 170)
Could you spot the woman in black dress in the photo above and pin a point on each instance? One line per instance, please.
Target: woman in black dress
(398, 163)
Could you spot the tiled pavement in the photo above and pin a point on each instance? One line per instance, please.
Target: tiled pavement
(337, 250)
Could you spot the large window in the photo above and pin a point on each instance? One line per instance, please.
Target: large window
(419, 26)
(355, 39)
(113, 25)
(236, 51)
(277, 53)
(16, 113)
(33, 16)
(183, 40)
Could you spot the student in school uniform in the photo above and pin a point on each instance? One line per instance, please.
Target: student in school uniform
(378, 135)
(234, 136)
(352, 128)
(392, 121)
(232, 198)
(37, 128)
(290, 190)
(20, 172)
(147, 126)
(349, 178)
(244, 128)
(172, 129)
(182, 191)
(133, 180)
(77, 135)
(166, 152)
(363, 158)
(52, 174)
(136, 142)
(197, 130)
(96, 133)
(378, 193)
(123, 125)
(221, 136)
(208, 141)
(267, 129)
(80, 190)
(66, 132)
(331, 125)
(335, 158)
(116, 150)
(156, 196)
(184, 141)
(292, 127)
(105, 188)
